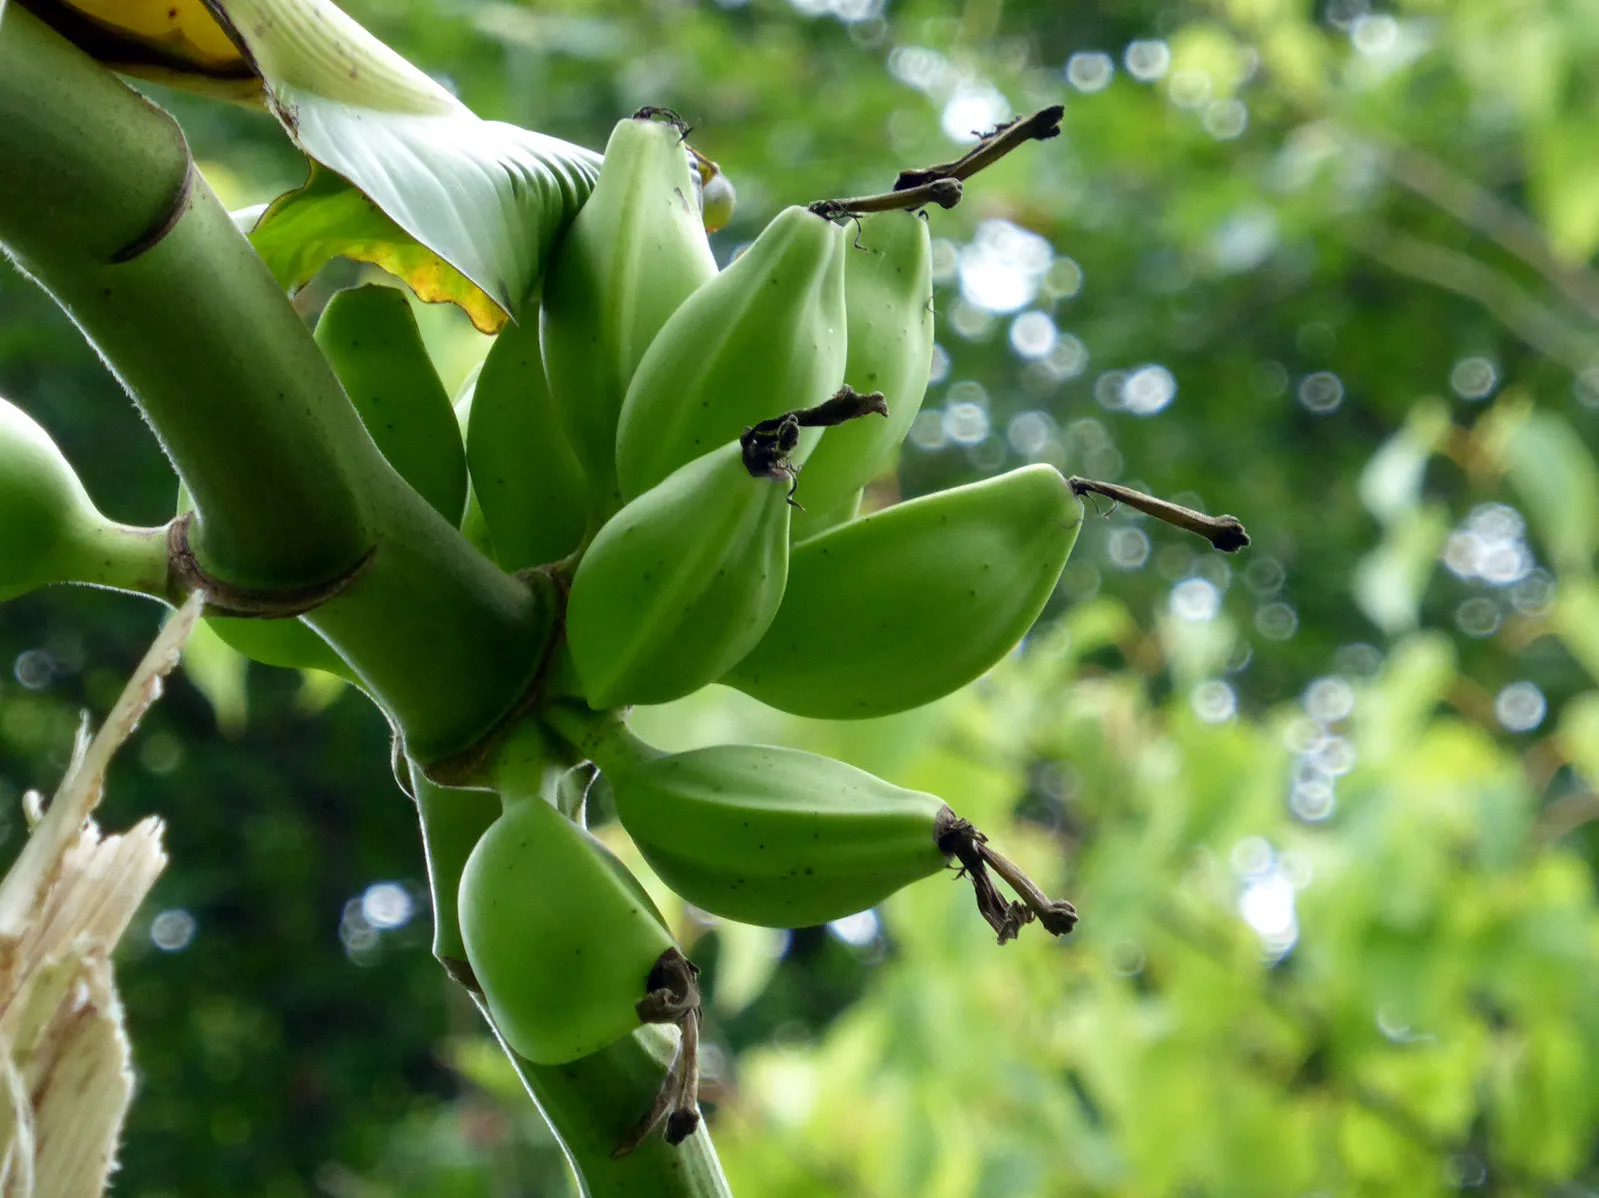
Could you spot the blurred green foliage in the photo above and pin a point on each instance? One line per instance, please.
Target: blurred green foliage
(1328, 808)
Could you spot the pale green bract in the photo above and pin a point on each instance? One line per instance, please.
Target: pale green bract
(484, 200)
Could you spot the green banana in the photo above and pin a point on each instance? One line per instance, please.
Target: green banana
(888, 298)
(50, 530)
(288, 643)
(905, 605)
(634, 252)
(775, 836)
(525, 478)
(778, 837)
(473, 527)
(680, 583)
(560, 945)
(370, 338)
(766, 335)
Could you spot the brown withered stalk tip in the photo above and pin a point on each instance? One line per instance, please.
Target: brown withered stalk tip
(1226, 533)
(766, 445)
(957, 838)
(672, 996)
(995, 144)
(944, 192)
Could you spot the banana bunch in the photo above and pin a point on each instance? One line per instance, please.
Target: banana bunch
(938, 589)
(782, 838)
(636, 250)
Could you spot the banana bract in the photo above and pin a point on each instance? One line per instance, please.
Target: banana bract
(679, 584)
(559, 943)
(526, 481)
(888, 297)
(370, 338)
(909, 603)
(775, 836)
(635, 251)
(766, 336)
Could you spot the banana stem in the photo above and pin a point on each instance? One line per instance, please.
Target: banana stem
(1223, 532)
(946, 193)
(122, 557)
(594, 1103)
(957, 838)
(600, 737)
(100, 203)
(453, 821)
(994, 145)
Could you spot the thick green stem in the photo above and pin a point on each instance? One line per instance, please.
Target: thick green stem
(99, 202)
(453, 821)
(594, 1102)
(124, 558)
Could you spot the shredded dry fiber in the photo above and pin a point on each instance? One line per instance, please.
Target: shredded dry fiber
(65, 1082)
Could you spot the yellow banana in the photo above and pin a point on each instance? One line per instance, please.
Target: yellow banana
(176, 42)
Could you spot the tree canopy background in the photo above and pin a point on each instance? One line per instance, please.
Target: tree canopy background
(1328, 808)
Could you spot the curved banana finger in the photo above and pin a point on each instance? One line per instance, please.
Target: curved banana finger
(902, 607)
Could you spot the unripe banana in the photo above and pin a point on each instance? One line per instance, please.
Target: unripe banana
(525, 478)
(370, 338)
(50, 530)
(773, 836)
(680, 583)
(899, 608)
(888, 297)
(778, 837)
(289, 643)
(561, 947)
(765, 336)
(473, 527)
(634, 252)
